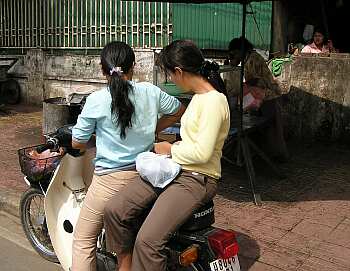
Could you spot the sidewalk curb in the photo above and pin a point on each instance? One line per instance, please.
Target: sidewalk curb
(9, 202)
(16, 235)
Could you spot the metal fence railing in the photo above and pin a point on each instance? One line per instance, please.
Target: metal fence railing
(83, 24)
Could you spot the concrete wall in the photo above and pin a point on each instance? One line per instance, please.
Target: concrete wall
(43, 76)
(317, 88)
(318, 96)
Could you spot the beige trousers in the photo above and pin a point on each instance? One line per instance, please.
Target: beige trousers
(90, 221)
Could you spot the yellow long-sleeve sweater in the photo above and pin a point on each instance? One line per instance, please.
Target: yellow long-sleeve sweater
(204, 128)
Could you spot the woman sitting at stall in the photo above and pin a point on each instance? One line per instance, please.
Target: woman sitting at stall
(258, 77)
(320, 44)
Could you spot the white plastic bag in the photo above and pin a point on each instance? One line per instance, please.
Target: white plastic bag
(157, 169)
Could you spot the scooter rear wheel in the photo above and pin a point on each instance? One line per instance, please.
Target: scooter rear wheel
(34, 223)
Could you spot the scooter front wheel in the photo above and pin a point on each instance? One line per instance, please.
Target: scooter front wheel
(34, 223)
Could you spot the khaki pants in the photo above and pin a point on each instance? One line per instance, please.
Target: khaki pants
(90, 220)
(171, 209)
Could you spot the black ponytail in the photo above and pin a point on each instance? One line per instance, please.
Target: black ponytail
(122, 108)
(187, 56)
(117, 58)
(210, 70)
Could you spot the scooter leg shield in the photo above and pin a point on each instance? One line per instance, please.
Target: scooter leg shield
(63, 202)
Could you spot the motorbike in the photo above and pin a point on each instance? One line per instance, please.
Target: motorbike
(62, 185)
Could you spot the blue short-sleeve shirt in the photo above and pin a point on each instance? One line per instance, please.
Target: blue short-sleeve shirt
(111, 150)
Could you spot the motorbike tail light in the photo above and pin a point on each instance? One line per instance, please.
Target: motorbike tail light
(189, 256)
(223, 243)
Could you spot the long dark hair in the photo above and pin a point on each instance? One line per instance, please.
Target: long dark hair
(187, 56)
(117, 58)
(322, 31)
(236, 44)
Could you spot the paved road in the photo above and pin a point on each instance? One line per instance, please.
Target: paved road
(16, 254)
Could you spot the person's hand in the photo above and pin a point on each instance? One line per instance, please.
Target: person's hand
(162, 148)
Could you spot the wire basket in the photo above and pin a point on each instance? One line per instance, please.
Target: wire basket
(38, 167)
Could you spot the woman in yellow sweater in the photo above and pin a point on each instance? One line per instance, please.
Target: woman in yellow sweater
(204, 128)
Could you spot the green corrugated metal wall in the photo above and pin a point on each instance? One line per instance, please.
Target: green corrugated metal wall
(212, 26)
(90, 24)
(83, 24)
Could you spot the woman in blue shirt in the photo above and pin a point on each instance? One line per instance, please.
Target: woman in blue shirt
(124, 117)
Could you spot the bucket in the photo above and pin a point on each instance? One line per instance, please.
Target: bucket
(55, 114)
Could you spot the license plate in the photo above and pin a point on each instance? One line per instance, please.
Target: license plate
(231, 264)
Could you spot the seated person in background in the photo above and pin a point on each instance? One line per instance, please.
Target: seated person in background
(255, 67)
(258, 75)
(319, 43)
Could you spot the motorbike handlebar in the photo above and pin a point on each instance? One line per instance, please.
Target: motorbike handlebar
(48, 146)
(62, 138)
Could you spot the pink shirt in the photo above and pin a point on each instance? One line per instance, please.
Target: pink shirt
(312, 48)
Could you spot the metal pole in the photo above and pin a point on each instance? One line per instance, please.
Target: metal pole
(112, 24)
(64, 25)
(12, 24)
(31, 22)
(242, 139)
(93, 34)
(1, 25)
(105, 25)
(138, 25)
(161, 25)
(21, 30)
(68, 21)
(121, 19)
(81, 28)
(53, 24)
(243, 52)
(74, 15)
(58, 18)
(126, 22)
(8, 24)
(38, 23)
(155, 24)
(149, 25)
(15, 22)
(143, 25)
(132, 23)
(86, 33)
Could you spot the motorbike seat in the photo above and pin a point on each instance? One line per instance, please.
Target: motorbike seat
(201, 218)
